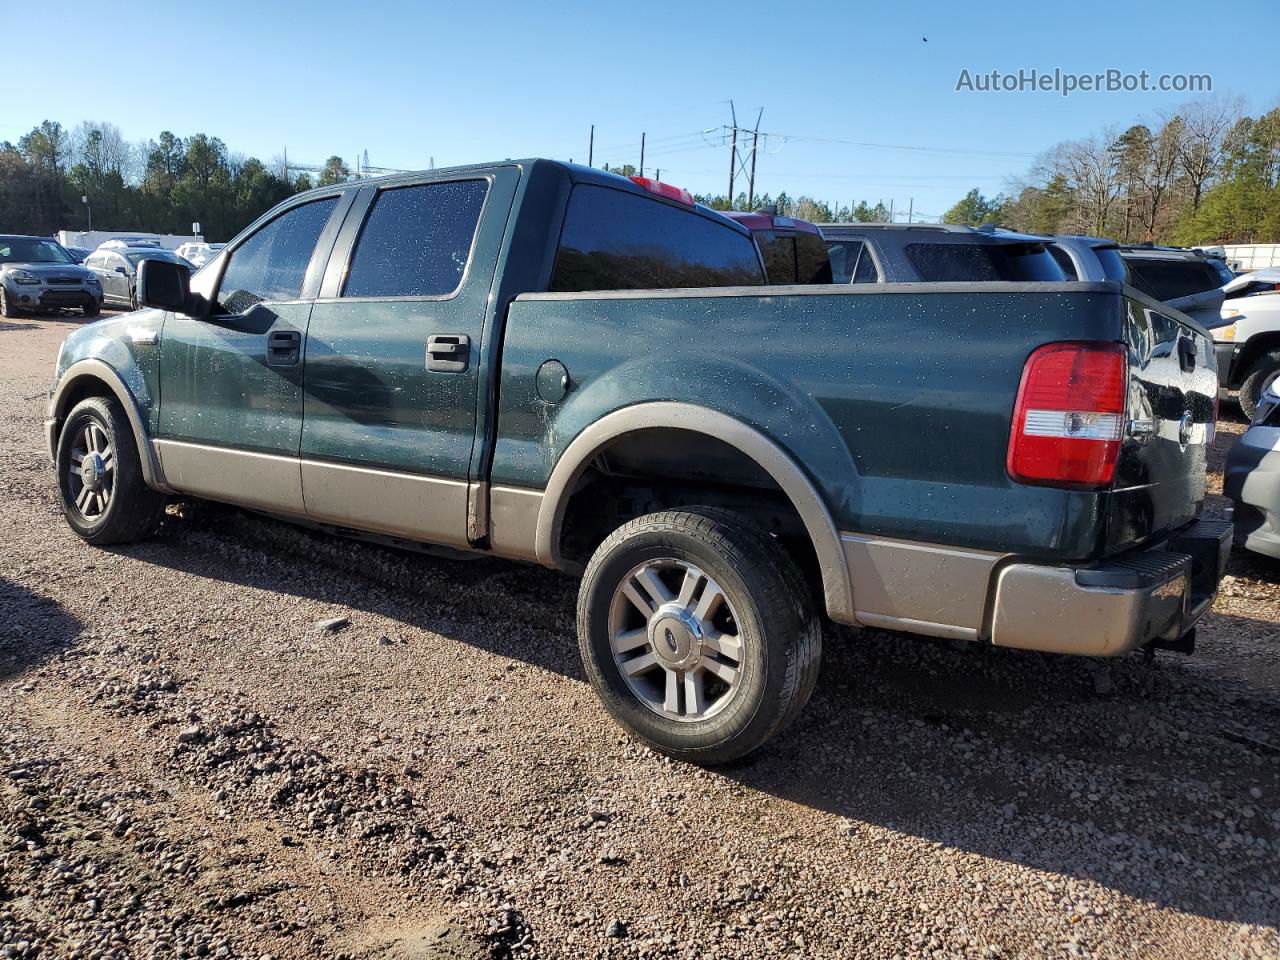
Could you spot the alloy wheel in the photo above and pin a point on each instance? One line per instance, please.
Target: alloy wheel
(675, 640)
(92, 470)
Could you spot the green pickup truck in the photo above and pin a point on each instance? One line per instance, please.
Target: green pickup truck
(554, 364)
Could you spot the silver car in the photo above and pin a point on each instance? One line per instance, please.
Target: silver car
(117, 269)
(38, 274)
(1252, 479)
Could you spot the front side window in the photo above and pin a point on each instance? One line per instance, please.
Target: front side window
(272, 263)
(851, 262)
(617, 240)
(416, 241)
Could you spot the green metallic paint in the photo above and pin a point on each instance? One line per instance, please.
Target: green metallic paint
(218, 388)
(905, 442)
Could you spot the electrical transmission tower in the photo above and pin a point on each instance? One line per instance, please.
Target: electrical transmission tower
(743, 145)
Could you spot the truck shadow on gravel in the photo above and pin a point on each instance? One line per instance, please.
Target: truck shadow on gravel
(1143, 788)
(1135, 777)
(34, 629)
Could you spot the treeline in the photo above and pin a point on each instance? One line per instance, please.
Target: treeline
(161, 186)
(1205, 174)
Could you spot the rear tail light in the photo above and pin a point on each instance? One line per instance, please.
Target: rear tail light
(657, 187)
(1069, 418)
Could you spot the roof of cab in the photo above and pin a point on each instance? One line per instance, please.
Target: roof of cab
(576, 172)
(761, 220)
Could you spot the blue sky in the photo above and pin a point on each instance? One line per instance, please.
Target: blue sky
(472, 82)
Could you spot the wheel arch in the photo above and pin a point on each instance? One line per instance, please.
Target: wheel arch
(94, 378)
(1264, 342)
(819, 525)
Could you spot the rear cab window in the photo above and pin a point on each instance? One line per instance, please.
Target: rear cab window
(794, 257)
(1171, 279)
(618, 240)
(960, 262)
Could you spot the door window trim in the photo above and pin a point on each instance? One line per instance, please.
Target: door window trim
(348, 240)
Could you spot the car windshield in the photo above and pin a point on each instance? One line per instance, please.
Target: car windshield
(29, 250)
(138, 257)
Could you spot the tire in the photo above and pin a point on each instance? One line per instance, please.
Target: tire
(7, 309)
(91, 309)
(106, 501)
(739, 675)
(1263, 370)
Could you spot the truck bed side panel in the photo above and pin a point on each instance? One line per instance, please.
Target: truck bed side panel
(896, 401)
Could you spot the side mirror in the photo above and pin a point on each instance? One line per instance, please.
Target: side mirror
(122, 270)
(164, 285)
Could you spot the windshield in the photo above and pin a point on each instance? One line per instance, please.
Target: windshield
(28, 250)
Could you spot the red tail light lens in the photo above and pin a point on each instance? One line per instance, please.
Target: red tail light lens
(678, 194)
(1069, 418)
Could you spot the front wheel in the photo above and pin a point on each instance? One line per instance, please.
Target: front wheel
(698, 633)
(91, 309)
(7, 309)
(1260, 376)
(100, 483)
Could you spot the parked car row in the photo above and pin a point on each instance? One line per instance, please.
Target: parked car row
(39, 274)
(546, 362)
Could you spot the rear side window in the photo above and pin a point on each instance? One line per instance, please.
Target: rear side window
(942, 262)
(794, 258)
(1113, 265)
(1064, 262)
(614, 240)
(851, 261)
(1171, 279)
(272, 263)
(416, 241)
(813, 263)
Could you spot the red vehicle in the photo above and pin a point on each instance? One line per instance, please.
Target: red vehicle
(794, 250)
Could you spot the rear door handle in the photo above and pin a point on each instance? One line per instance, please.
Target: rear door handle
(448, 352)
(1187, 354)
(284, 348)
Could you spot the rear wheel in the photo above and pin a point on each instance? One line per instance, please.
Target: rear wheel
(100, 483)
(698, 633)
(1260, 376)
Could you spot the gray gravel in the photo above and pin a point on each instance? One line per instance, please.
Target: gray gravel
(244, 739)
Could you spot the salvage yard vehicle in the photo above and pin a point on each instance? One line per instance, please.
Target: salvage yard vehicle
(551, 363)
(1251, 479)
(936, 253)
(793, 250)
(37, 274)
(1248, 337)
(116, 267)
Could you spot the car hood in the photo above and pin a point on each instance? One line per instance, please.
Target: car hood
(51, 269)
(1266, 275)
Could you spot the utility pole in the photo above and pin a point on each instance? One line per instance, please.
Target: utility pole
(751, 180)
(911, 206)
(657, 174)
(591, 147)
(891, 209)
(642, 154)
(733, 151)
(286, 166)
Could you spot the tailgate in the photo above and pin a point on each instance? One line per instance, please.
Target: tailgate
(1172, 404)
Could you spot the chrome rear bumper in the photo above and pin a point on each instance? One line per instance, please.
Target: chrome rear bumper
(1154, 595)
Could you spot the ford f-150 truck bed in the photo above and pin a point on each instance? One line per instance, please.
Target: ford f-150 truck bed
(550, 363)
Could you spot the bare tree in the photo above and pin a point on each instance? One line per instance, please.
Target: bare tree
(1205, 124)
(1092, 168)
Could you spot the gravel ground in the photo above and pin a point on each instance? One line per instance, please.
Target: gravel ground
(243, 739)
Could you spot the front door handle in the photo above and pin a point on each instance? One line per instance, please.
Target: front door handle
(448, 353)
(1187, 354)
(284, 348)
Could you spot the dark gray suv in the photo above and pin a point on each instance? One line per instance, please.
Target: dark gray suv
(934, 253)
